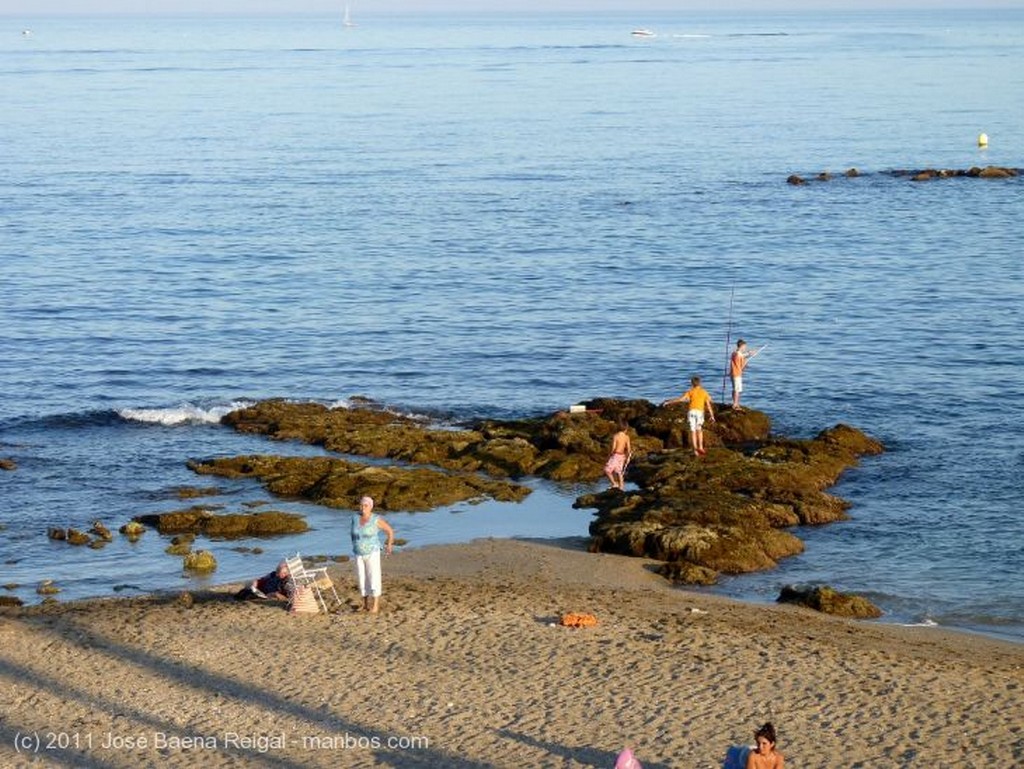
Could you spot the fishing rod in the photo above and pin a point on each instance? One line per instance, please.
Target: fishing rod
(728, 340)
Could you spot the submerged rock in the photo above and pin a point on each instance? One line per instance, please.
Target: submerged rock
(193, 492)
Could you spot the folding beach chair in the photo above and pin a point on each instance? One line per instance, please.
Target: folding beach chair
(316, 579)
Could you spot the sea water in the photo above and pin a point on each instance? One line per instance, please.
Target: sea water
(501, 215)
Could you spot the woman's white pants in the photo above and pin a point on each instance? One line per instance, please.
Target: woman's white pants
(368, 574)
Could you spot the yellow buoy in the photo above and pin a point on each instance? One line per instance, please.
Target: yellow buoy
(982, 140)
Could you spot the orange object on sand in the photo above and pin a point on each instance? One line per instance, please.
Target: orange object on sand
(573, 619)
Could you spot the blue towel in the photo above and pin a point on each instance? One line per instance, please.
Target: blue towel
(736, 757)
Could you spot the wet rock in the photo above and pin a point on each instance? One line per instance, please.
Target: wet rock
(726, 512)
(194, 492)
(73, 537)
(200, 561)
(199, 520)
(795, 180)
(47, 587)
(686, 573)
(994, 172)
(132, 530)
(829, 601)
(561, 446)
(11, 600)
(6, 463)
(185, 600)
(101, 531)
(338, 483)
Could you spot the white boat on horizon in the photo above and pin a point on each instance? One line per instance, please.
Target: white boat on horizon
(641, 32)
(347, 21)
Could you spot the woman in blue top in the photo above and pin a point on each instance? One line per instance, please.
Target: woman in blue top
(366, 528)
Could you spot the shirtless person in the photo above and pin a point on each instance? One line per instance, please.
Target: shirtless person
(765, 756)
(700, 401)
(622, 452)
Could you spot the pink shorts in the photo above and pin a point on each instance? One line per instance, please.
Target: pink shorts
(615, 463)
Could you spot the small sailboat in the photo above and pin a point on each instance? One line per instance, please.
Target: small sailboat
(347, 21)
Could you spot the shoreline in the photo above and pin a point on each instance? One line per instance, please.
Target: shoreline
(467, 667)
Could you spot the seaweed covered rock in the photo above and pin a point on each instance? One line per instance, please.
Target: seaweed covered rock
(337, 482)
(198, 520)
(101, 531)
(132, 530)
(829, 601)
(69, 535)
(727, 512)
(562, 446)
(202, 561)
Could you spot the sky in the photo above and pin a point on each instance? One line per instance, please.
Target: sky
(366, 7)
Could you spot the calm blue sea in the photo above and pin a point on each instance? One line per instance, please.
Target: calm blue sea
(504, 215)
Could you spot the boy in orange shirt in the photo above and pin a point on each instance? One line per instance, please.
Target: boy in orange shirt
(699, 401)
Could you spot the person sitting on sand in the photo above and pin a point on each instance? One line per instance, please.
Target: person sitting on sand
(278, 584)
(622, 452)
(765, 756)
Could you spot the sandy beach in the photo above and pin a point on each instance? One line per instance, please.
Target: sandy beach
(467, 667)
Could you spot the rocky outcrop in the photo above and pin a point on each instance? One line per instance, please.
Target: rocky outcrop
(921, 174)
(338, 483)
(727, 512)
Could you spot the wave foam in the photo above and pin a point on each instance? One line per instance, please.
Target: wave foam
(186, 413)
